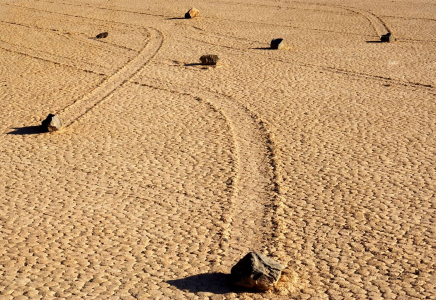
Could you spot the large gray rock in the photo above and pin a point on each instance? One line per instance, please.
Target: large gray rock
(52, 123)
(209, 59)
(192, 13)
(277, 44)
(387, 38)
(256, 271)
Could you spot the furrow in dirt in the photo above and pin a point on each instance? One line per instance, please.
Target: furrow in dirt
(72, 113)
(249, 218)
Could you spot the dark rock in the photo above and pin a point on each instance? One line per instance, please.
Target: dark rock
(277, 44)
(209, 59)
(387, 38)
(192, 13)
(52, 123)
(256, 271)
(102, 35)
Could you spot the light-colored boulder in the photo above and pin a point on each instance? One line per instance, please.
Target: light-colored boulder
(277, 44)
(387, 38)
(52, 123)
(192, 13)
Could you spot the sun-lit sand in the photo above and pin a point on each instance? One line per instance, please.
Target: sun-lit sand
(321, 155)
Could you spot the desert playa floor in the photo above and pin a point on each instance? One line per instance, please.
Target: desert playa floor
(321, 155)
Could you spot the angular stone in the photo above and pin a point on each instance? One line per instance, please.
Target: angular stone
(102, 35)
(277, 44)
(52, 123)
(192, 13)
(209, 59)
(256, 271)
(387, 38)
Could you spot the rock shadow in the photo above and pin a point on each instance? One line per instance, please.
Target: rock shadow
(262, 48)
(193, 64)
(203, 66)
(176, 18)
(208, 282)
(373, 42)
(217, 283)
(28, 130)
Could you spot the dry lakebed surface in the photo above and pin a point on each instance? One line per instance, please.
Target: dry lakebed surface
(320, 154)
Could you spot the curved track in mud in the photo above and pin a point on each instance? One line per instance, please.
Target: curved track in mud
(377, 23)
(254, 186)
(248, 218)
(79, 108)
(181, 219)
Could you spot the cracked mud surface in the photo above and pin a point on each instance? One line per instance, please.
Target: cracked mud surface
(168, 172)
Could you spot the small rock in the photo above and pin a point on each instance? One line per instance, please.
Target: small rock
(192, 13)
(102, 35)
(209, 59)
(277, 44)
(256, 271)
(387, 38)
(52, 123)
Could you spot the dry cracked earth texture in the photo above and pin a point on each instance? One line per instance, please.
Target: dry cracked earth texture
(321, 155)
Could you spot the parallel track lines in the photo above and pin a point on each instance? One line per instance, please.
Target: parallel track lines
(75, 111)
(249, 216)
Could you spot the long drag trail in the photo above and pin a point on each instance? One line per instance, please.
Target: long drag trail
(320, 155)
(73, 112)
